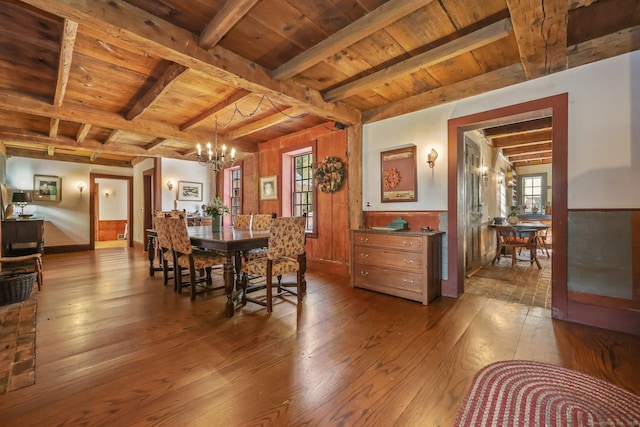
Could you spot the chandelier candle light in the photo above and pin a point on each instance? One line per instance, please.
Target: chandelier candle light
(215, 159)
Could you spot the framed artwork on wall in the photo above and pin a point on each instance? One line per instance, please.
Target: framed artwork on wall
(47, 188)
(269, 187)
(190, 191)
(399, 177)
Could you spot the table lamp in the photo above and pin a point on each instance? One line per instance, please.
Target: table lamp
(21, 199)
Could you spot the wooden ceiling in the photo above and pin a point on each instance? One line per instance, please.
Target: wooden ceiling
(114, 82)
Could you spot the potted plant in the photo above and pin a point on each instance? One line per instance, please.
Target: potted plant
(513, 215)
(215, 209)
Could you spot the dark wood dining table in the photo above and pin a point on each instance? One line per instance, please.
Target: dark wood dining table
(227, 241)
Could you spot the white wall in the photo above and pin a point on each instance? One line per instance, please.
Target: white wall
(182, 170)
(604, 136)
(115, 205)
(67, 221)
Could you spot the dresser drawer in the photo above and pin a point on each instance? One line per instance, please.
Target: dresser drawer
(413, 261)
(393, 282)
(389, 240)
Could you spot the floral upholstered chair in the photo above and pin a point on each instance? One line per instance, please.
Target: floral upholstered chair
(189, 258)
(242, 222)
(285, 254)
(165, 249)
(262, 221)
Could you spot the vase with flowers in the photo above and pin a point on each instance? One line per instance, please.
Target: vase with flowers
(215, 209)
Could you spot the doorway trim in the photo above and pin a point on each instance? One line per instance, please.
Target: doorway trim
(92, 206)
(558, 107)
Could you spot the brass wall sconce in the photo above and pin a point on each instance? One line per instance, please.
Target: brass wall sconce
(485, 174)
(80, 187)
(431, 157)
(170, 185)
(106, 193)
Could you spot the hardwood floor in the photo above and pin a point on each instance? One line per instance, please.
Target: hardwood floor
(116, 347)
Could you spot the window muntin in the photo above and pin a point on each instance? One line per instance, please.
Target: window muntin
(302, 186)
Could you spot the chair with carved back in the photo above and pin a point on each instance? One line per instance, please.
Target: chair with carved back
(285, 254)
(193, 260)
(165, 250)
(514, 239)
(242, 222)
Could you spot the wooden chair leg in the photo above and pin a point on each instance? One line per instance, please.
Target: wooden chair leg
(39, 272)
(269, 288)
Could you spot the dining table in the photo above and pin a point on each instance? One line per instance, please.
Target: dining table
(229, 242)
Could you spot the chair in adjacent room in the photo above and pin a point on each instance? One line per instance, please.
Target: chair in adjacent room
(285, 254)
(188, 258)
(510, 238)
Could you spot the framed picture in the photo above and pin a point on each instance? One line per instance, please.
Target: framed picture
(190, 191)
(269, 187)
(46, 188)
(399, 177)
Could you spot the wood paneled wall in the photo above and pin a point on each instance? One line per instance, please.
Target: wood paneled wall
(332, 241)
(109, 229)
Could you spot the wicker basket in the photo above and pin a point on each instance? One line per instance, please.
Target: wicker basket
(15, 287)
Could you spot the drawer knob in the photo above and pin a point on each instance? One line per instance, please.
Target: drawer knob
(408, 282)
(364, 239)
(364, 273)
(364, 255)
(407, 244)
(407, 261)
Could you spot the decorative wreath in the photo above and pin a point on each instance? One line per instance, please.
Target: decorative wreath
(329, 174)
(391, 179)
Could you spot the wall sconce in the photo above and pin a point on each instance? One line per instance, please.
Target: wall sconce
(170, 185)
(485, 175)
(431, 157)
(80, 187)
(106, 193)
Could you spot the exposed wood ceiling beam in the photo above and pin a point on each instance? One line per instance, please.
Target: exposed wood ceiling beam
(69, 34)
(156, 143)
(94, 156)
(257, 125)
(376, 20)
(18, 152)
(623, 41)
(467, 43)
(13, 101)
(535, 148)
(574, 4)
(161, 85)
(53, 127)
(83, 132)
(112, 136)
(532, 162)
(523, 139)
(230, 13)
(230, 100)
(126, 22)
(60, 142)
(51, 150)
(533, 156)
(536, 125)
(503, 77)
(540, 27)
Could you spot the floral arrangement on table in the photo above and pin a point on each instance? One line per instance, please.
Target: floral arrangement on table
(216, 208)
(329, 174)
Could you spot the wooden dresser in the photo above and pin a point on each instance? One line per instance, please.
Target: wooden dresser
(400, 263)
(22, 236)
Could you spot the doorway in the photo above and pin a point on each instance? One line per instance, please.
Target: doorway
(121, 196)
(555, 107)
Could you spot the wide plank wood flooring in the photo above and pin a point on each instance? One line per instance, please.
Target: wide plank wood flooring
(115, 347)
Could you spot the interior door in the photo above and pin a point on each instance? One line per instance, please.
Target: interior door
(473, 207)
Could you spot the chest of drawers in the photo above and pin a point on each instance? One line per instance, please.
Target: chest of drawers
(399, 263)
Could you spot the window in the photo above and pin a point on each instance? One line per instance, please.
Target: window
(303, 187)
(235, 193)
(298, 191)
(534, 192)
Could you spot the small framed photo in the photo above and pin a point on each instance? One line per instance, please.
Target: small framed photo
(269, 187)
(399, 178)
(190, 191)
(46, 188)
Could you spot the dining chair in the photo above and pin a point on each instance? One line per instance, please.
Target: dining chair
(262, 221)
(285, 254)
(19, 261)
(165, 250)
(514, 239)
(242, 222)
(188, 258)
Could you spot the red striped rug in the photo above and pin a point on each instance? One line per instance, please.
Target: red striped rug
(524, 393)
